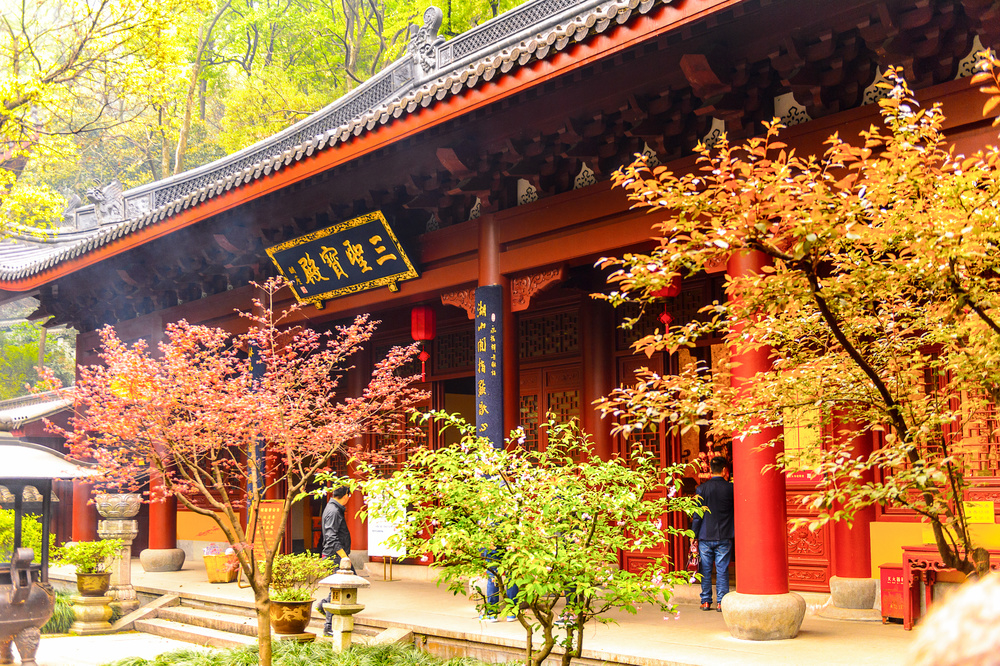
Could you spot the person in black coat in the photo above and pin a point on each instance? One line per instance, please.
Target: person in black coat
(336, 536)
(716, 532)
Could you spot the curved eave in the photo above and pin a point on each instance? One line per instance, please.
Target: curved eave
(432, 110)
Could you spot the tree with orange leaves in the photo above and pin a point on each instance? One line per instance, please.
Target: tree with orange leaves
(880, 306)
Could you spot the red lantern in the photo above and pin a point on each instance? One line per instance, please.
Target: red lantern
(672, 290)
(423, 329)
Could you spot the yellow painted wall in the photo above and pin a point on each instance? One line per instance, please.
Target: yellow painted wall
(196, 527)
(888, 540)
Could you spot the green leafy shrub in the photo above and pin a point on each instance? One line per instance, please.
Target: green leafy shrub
(88, 556)
(295, 577)
(62, 616)
(31, 534)
(291, 653)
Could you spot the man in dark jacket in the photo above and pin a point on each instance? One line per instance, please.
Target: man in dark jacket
(716, 533)
(336, 536)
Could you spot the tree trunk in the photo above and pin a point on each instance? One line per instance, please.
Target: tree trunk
(262, 604)
(981, 557)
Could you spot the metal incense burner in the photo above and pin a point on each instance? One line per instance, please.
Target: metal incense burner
(26, 598)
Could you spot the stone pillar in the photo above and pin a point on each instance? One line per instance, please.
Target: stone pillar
(163, 553)
(852, 587)
(119, 511)
(762, 608)
(84, 513)
(597, 333)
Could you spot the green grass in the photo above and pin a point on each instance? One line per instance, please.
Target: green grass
(62, 616)
(305, 654)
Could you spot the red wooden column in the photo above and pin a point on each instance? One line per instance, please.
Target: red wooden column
(760, 517)
(852, 588)
(162, 553)
(762, 607)
(852, 553)
(84, 513)
(489, 274)
(162, 516)
(356, 382)
(597, 333)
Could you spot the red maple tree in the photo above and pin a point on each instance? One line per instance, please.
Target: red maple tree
(209, 409)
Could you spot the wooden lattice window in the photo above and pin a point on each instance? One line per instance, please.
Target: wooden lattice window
(565, 405)
(454, 351)
(979, 440)
(382, 350)
(529, 421)
(552, 334)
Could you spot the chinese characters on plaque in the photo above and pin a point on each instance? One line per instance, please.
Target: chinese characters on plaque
(489, 364)
(346, 258)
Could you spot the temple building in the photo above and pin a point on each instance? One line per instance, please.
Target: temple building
(484, 161)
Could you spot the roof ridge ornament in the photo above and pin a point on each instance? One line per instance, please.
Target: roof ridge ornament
(424, 41)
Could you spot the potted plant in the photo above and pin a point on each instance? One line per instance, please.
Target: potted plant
(90, 558)
(294, 579)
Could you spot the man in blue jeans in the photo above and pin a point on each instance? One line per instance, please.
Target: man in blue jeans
(716, 533)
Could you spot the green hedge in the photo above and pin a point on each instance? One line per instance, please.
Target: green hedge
(305, 654)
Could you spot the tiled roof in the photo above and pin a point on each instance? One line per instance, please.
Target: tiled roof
(432, 69)
(16, 412)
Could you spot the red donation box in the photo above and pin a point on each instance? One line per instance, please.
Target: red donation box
(891, 576)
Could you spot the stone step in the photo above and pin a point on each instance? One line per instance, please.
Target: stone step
(210, 619)
(218, 606)
(203, 636)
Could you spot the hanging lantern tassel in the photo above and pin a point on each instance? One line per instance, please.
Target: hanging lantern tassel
(672, 290)
(424, 357)
(423, 329)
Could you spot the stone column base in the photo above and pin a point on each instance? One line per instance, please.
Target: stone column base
(853, 592)
(162, 559)
(92, 615)
(763, 617)
(852, 599)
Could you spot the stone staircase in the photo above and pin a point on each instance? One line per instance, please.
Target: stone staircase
(209, 623)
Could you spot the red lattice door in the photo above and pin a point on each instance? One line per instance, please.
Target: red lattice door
(555, 390)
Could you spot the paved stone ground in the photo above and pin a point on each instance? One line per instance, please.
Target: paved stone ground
(695, 638)
(97, 650)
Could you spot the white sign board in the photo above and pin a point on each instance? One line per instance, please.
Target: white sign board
(379, 531)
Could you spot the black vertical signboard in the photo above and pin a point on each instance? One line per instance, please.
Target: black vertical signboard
(489, 364)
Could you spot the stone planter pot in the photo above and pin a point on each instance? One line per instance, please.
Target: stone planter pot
(118, 505)
(93, 584)
(290, 617)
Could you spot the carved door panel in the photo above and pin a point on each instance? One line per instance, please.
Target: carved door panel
(809, 553)
(668, 450)
(555, 389)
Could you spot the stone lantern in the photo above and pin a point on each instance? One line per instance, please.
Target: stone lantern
(343, 603)
(26, 598)
(118, 511)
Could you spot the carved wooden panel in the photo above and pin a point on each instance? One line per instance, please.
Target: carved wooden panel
(551, 334)
(809, 558)
(524, 287)
(462, 298)
(563, 376)
(809, 578)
